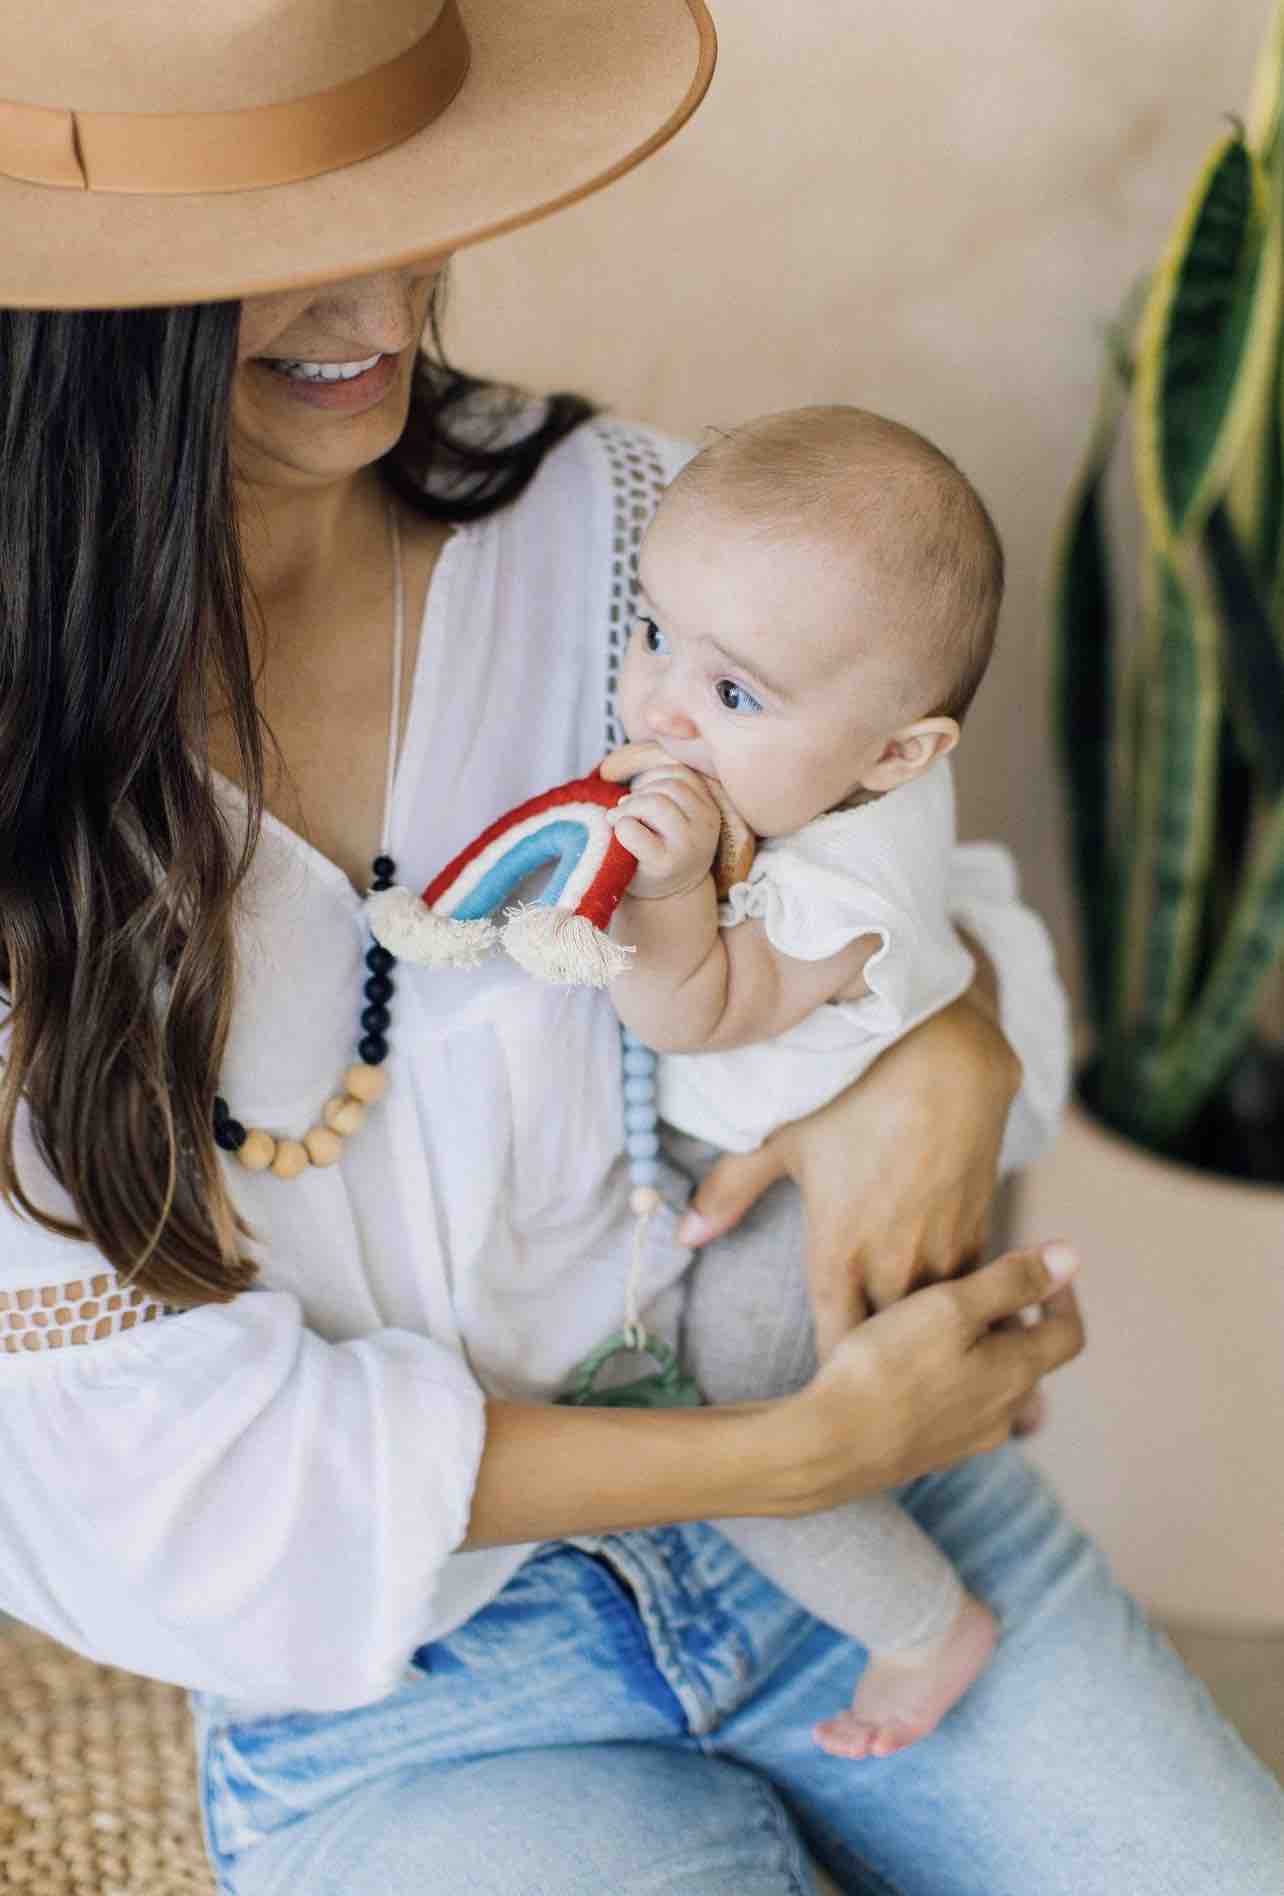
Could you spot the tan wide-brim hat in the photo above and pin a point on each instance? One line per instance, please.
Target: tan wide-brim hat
(178, 151)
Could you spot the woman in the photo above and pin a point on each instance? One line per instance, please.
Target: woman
(276, 1391)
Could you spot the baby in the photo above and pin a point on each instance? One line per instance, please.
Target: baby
(818, 598)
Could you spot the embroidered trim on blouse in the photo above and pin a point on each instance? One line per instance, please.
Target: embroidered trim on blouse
(84, 1310)
(637, 479)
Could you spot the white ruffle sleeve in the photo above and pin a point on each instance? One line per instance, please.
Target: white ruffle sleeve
(811, 908)
(881, 869)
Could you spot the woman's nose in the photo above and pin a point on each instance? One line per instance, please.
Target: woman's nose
(381, 309)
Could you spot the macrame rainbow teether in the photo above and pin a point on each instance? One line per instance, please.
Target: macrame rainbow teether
(561, 936)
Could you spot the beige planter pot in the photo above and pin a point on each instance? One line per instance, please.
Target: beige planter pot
(1166, 1437)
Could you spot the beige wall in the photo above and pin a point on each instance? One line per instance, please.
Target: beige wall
(928, 207)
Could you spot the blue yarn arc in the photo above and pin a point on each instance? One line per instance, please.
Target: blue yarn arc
(562, 842)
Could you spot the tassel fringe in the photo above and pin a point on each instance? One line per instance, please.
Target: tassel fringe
(557, 945)
(409, 929)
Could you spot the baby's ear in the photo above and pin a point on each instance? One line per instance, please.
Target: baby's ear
(909, 751)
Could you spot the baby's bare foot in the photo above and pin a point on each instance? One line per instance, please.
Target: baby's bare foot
(902, 1698)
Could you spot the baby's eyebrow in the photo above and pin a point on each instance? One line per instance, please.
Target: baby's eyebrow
(752, 672)
(647, 605)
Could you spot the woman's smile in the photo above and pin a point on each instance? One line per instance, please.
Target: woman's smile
(343, 387)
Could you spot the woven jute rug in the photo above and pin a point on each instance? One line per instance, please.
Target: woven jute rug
(97, 1778)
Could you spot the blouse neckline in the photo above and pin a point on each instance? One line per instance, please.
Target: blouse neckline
(431, 627)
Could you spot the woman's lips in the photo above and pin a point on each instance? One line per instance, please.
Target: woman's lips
(343, 398)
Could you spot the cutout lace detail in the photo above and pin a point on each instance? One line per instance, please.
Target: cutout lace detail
(83, 1310)
(637, 479)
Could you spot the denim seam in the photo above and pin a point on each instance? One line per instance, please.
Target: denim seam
(786, 1839)
(697, 1707)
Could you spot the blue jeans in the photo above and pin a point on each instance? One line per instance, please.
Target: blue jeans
(632, 1714)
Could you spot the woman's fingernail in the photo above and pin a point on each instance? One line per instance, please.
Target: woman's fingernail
(694, 1229)
(1062, 1261)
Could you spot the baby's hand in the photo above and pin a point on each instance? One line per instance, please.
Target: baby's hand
(670, 822)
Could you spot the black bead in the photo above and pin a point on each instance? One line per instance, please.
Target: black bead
(384, 867)
(379, 885)
(221, 1109)
(379, 988)
(379, 960)
(375, 1019)
(373, 1049)
(230, 1134)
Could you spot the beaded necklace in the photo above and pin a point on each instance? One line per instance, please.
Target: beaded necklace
(364, 1082)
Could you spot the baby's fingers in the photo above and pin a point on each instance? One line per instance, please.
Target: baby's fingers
(668, 809)
(651, 850)
(671, 772)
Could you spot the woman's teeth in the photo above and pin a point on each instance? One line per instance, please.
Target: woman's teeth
(323, 371)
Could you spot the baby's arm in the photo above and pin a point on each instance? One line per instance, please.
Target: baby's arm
(693, 987)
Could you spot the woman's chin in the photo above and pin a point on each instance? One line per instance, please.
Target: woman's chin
(279, 430)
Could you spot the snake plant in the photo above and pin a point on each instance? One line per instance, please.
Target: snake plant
(1171, 735)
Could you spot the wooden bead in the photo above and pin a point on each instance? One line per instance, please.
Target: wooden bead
(323, 1146)
(365, 1083)
(257, 1150)
(344, 1115)
(291, 1158)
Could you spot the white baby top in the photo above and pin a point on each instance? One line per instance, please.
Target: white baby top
(882, 869)
(260, 1499)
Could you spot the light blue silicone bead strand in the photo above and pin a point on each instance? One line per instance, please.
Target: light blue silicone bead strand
(641, 1118)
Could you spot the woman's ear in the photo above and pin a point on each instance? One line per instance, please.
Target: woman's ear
(909, 751)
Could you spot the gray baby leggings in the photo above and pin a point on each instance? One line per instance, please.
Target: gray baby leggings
(746, 1333)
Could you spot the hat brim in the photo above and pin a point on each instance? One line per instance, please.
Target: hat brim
(561, 97)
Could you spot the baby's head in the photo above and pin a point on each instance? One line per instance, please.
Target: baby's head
(820, 591)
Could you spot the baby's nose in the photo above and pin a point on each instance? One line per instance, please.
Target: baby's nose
(666, 720)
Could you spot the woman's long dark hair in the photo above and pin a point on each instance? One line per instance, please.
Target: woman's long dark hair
(122, 610)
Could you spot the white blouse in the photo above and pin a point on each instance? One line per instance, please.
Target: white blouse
(260, 1499)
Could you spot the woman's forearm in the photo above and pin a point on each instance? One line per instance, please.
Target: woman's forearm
(549, 1472)
(917, 1387)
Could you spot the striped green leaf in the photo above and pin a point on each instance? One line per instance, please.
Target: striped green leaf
(1208, 343)
(1268, 78)
(1254, 659)
(1202, 1053)
(1174, 807)
(1082, 698)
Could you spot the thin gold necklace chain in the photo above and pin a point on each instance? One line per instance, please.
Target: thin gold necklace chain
(365, 1081)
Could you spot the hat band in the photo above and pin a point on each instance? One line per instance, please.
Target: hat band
(169, 153)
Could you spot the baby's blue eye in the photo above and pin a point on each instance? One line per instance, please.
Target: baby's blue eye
(652, 637)
(734, 697)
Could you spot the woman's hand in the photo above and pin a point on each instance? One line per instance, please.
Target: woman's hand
(897, 1174)
(937, 1378)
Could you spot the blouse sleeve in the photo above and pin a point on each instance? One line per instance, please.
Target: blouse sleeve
(224, 1500)
(1034, 1012)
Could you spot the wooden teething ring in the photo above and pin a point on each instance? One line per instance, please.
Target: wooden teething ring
(737, 843)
